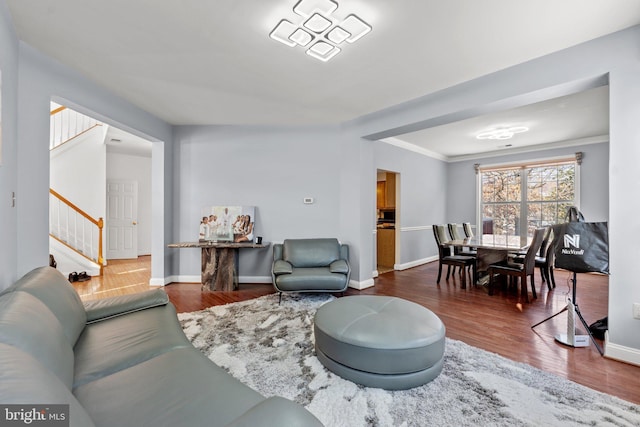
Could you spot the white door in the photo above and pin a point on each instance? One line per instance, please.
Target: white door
(122, 219)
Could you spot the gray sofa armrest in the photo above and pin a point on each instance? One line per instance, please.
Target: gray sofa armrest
(339, 266)
(282, 267)
(344, 252)
(116, 306)
(276, 411)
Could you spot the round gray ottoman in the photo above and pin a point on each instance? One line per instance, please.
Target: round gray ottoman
(379, 341)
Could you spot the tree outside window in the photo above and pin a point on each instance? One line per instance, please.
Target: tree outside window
(517, 200)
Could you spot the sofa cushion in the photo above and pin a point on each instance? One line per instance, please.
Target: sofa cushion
(311, 280)
(179, 388)
(118, 343)
(276, 411)
(304, 253)
(54, 290)
(26, 323)
(24, 380)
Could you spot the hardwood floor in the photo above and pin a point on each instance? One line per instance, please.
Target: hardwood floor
(499, 323)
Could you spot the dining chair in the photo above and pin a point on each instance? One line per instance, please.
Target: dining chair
(466, 226)
(445, 257)
(545, 259)
(520, 270)
(455, 235)
(546, 263)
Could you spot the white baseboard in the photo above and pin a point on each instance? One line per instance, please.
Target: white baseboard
(160, 281)
(361, 285)
(619, 352)
(415, 263)
(375, 274)
(255, 279)
(185, 278)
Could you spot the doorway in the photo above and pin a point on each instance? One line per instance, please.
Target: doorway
(103, 155)
(387, 206)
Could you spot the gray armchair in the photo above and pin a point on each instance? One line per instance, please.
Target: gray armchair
(310, 265)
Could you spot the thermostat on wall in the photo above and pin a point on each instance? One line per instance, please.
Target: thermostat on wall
(307, 200)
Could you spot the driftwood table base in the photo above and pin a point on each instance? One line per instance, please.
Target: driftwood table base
(219, 272)
(219, 262)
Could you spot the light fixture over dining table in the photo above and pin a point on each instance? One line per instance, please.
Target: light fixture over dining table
(502, 132)
(315, 27)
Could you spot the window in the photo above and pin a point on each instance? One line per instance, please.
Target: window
(517, 199)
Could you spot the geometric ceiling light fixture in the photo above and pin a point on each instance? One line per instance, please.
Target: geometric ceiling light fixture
(502, 133)
(318, 29)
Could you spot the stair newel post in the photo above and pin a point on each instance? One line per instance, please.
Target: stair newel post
(100, 259)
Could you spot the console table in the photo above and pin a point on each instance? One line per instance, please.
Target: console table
(219, 262)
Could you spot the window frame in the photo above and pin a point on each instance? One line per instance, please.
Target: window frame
(524, 166)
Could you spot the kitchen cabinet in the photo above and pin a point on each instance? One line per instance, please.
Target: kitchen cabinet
(386, 192)
(381, 193)
(386, 246)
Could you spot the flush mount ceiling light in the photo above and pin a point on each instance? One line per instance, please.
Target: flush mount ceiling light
(315, 22)
(502, 133)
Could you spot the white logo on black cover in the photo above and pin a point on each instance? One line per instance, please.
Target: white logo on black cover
(572, 245)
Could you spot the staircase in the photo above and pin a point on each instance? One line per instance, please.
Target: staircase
(75, 237)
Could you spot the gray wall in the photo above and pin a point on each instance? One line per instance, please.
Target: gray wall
(275, 168)
(594, 181)
(8, 162)
(270, 168)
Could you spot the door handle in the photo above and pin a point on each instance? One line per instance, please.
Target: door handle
(134, 223)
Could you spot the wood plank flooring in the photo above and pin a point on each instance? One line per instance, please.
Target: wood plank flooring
(500, 323)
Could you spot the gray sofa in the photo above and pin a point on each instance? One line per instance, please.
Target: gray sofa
(122, 361)
(310, 265)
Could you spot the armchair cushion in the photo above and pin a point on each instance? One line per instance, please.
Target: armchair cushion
(282, 267)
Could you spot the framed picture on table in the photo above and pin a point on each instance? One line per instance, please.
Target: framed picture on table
(224, 223)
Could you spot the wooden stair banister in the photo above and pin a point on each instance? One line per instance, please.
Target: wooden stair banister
(72, 125)
(98, 223)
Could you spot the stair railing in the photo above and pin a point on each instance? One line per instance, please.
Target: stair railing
(67, 124)
(76, 229)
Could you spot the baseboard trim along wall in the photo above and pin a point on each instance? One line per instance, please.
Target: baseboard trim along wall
(415, 263)
(197, 279)
(622, 353)
(361, 285)
(159, 281)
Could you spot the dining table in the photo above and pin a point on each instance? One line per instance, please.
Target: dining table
(489, 251)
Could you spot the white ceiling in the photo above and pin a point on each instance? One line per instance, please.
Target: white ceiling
(212, 62)
(568, 120)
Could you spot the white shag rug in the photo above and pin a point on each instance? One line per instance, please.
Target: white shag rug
(270, 348)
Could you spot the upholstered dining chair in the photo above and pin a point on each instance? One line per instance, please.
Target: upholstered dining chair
(454, 233)
(520, 270)
(545, 259)
(451, 260)
(466, 226)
